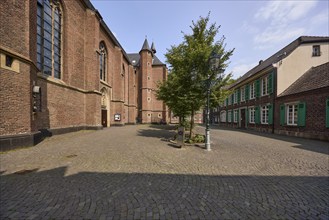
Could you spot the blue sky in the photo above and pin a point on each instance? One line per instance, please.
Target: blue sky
(256, 29)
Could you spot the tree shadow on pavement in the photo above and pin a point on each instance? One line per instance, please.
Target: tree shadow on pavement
(301, 143)
(157, 133)
(53, 194)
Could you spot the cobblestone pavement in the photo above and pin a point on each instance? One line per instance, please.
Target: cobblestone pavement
(132, 173)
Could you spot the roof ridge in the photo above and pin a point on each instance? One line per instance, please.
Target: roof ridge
(285, 51)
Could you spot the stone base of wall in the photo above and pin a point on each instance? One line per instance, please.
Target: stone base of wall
(10, 142)
(322, 137)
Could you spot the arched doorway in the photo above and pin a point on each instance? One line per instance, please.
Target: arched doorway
(104, 107)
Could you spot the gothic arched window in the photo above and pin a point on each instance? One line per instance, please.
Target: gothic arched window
(49, 37)
(102, 61)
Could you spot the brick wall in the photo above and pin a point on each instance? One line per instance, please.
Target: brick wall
(15, 101)
(14, 24)
(74, 99)
(15, 86)
(315, 126)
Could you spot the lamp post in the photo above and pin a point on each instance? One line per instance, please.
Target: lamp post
(214, 63)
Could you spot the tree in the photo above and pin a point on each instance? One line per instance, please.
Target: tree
(185, 90)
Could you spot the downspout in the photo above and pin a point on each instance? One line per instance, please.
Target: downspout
(274, 95)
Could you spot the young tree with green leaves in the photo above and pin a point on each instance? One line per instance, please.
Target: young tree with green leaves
(185, 90)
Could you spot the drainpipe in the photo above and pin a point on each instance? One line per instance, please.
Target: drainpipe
(274, 96)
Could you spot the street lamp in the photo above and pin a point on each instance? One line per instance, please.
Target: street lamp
(214, 64)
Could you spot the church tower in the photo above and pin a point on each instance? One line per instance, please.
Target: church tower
(145, 83)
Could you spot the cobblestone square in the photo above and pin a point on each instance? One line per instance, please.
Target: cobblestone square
(132, 172)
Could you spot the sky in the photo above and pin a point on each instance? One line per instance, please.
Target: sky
(256, 29)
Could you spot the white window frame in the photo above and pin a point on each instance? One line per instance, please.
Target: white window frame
(243, 94)
(316, 51)
(293, 115)
(223, 116)
(252, 93)
(235, 115)
(230, 99)
(235, 97)
(229, 116)
(264, 85)
(264, 114)
(252, 114)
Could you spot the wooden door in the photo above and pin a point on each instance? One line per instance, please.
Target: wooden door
(104, 118)
(243, 118)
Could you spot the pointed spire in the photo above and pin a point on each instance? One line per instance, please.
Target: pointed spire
(146, 45)
(153, 48)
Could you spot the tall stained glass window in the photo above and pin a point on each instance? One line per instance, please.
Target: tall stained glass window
(49, 32)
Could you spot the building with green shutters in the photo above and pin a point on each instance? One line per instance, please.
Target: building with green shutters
(263, 99)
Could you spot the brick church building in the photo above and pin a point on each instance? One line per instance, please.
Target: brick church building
(63, 70)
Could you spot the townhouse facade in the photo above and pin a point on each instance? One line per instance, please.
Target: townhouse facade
(260, 101)
(62, 69)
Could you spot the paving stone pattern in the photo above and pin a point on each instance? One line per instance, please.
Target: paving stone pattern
(133, 173)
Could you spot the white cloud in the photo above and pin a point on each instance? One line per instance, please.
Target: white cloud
(279, 12)
(320, 18)
(251, 29)
(240, 69)
(283, 22)
(276, 34)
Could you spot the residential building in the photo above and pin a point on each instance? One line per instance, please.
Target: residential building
(256, 96)
(62, 70)
(303, 108)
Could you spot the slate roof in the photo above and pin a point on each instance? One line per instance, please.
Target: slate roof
(281, 54)
(136, 57)
(315, 78)
(153, 48)
(146, 45)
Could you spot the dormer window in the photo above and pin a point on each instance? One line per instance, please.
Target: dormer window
(316, 51)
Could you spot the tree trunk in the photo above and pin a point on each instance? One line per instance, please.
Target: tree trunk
(192, 124)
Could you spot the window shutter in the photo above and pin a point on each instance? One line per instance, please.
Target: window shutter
(238, 96)
(257, 88)
(327, 113)
(232, 99)
(232, 114)
(226, 116)
(226, 101)
(238, 117)
(257, 115)
(246, 93)
(270, 83)
(270, 114)
(301, 114)
(247, 116)
(282, 114)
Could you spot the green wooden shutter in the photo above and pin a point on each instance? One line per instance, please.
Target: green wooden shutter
(226, 116)
(301, 114)
(232, 114)
(238, 116)
(257, 115)
(238, 96)
(232, 98)
(270, 114)
(257, 84)
(226, 102)
(247, 116)
(247, 92)
(282, 114)
(327, 113)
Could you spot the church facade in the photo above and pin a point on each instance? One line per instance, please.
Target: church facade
(63, 70)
